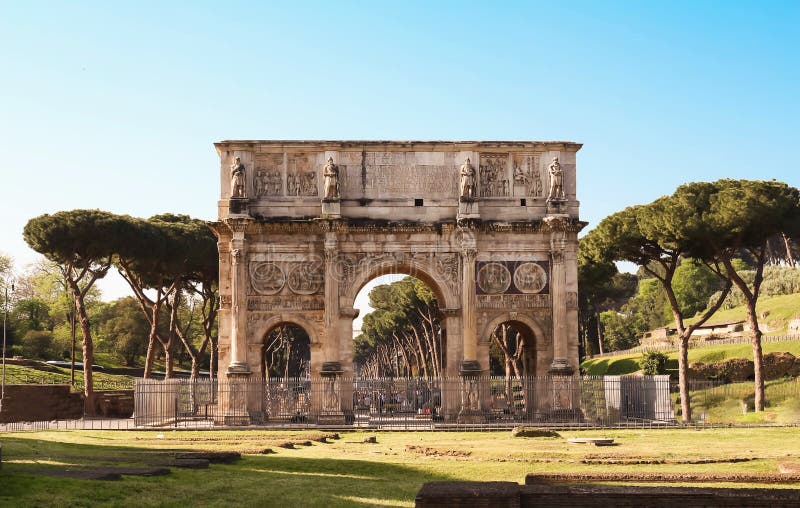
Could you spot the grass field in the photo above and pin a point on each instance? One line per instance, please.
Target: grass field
(347, 472)
(20, 374)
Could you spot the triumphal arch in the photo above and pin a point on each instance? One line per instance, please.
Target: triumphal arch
(490, 226)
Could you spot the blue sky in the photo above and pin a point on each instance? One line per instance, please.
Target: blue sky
(116, 106)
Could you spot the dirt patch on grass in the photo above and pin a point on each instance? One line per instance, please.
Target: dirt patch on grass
(436, 452)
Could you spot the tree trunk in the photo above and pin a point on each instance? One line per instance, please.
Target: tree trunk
(88, 348)
(758, 355)
(683, 380)
(169, 361)
(788, 246)
(148, 359)
(599, 334)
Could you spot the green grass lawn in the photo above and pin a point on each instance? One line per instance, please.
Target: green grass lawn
(347, 472)
(628, 364)
(20, 374)
(723, 404)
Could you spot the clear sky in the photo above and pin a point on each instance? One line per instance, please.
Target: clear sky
(116, 105)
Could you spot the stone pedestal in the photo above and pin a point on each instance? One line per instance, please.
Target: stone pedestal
(236, 413)
(468, 209)
(331, 412)
(238, 207)
(331, 209)
(470, 393)
(556, 206)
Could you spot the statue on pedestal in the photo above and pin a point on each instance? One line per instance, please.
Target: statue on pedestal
(331, 180)
(237, 179)
(467, 181)
(556, 180)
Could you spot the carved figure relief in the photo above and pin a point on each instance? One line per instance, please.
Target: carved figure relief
(493, 177)
(494, 278)
(530, 278)
(467, 187)
(306, 279)
(331, 174)
(572, 300)
(237, 178)
(268, 175)
(301, 179)
(266, 278)
(556, 180)
(528, 174)
(330, 399)
(267, 183)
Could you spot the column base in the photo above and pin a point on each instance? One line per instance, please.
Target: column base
(331, 209)
(238, 369)
(560, 367)
(331, 412)
(236, 414)
(236, 420)
(470, 411)
(470, 368)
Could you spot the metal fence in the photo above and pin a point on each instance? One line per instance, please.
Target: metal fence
(405, 403)
(697, 343)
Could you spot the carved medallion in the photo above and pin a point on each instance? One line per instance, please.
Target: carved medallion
(530, 278)
(266, 278)
(305, 279)
(494, 278)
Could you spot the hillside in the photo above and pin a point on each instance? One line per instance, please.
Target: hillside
(777, 312)
(628, 364)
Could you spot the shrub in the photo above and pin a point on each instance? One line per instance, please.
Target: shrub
(36, 344)
(653, 363)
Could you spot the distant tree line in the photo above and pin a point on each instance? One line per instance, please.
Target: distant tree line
(402, 336)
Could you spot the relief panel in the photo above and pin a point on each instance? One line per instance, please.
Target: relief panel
(268, 178)
(527, 173)
(493, 177)
(301, 175)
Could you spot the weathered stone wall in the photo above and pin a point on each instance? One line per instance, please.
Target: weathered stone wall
(33, 403)
(510, 494)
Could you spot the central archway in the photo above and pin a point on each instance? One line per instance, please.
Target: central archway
(447, 300)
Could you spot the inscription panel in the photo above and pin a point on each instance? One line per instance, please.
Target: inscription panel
(294, 302)
(510, 301)
(398, 175)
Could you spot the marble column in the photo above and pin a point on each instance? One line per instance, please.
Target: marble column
(469, 312)
(234, 392)
(558, 295)
(331, 349)
(238, 363)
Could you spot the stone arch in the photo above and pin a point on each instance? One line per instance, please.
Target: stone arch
(262, 328)
(537, 341)
(513, 317)
(448, 299)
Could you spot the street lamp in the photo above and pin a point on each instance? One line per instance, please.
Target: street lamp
(5, 320)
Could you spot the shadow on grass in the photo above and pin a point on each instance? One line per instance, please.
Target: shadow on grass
(273, 480)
